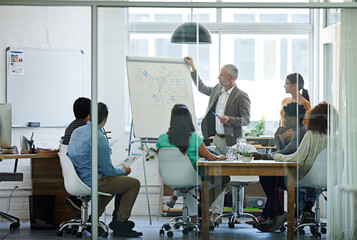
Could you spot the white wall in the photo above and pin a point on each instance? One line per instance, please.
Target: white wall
(69, 28)
(38, 27)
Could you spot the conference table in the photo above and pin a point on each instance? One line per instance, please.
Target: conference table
(253, 168)
(47, 179)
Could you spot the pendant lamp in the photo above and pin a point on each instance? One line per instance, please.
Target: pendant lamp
(187, 34)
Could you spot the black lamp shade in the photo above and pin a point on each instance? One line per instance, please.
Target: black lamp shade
(187, 34)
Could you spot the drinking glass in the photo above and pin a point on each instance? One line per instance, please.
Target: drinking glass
(241, 144)
(230, 153)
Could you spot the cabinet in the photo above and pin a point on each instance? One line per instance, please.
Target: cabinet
(47, 179)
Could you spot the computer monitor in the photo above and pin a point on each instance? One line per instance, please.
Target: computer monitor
(5, 125)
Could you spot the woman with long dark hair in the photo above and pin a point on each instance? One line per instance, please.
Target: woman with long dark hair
(181, 134)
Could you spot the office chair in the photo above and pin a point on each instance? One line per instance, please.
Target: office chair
(11, 177)
(76, 187)
(177, 172)
(238, 183)
(63, 148)
(315, 179)
(6, 177)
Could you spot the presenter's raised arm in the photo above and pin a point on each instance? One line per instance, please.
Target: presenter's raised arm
(189, 61)
(196, 79)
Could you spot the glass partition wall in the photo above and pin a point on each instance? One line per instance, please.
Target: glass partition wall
(273, 49)
(266, 45)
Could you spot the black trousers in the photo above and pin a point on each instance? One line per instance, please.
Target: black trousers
(271, 186)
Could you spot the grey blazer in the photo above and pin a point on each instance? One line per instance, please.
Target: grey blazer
(237, 109)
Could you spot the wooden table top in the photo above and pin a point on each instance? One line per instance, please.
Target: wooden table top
(253, 168)
(254, 163)
(37, 155)
(259, 138)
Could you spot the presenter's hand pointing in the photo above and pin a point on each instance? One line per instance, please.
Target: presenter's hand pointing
(189, 61)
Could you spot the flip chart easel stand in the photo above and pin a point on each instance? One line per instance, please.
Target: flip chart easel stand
(142, 142)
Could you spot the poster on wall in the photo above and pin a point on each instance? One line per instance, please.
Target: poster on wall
(16, 62)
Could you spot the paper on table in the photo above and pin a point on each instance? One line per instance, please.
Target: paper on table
(129, 160)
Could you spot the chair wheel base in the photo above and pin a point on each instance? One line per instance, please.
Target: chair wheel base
(230, 225)
(59, 233)
(14, 225)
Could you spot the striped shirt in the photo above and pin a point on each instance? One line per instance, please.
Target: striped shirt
(71, 127)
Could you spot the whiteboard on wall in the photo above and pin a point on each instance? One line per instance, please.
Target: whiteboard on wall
(155, 86)
(44, 86)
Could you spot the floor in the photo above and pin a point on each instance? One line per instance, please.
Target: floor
(151, 232)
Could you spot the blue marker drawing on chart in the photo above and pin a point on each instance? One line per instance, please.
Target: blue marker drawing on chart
(166, 87)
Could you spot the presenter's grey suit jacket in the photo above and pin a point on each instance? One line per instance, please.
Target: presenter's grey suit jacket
(237, 109)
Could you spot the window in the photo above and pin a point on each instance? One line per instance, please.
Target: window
(244, 57)
(166, 15)
(139, 47)
(266, 15)
(264, 52)
(163, 48)
(263, 61)
(332, 16)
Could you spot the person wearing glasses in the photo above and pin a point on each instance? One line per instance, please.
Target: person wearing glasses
(294, 85)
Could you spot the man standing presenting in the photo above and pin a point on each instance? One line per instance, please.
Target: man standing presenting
(232, 111)
(110, 179)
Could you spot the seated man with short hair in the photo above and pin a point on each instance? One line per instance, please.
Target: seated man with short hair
(81, 111)
(110, 179)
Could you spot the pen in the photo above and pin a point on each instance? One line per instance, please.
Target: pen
(31, 136)
(215, 114)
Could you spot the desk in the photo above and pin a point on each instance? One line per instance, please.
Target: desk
(266, 142)
(258, 167)
(47, 180)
